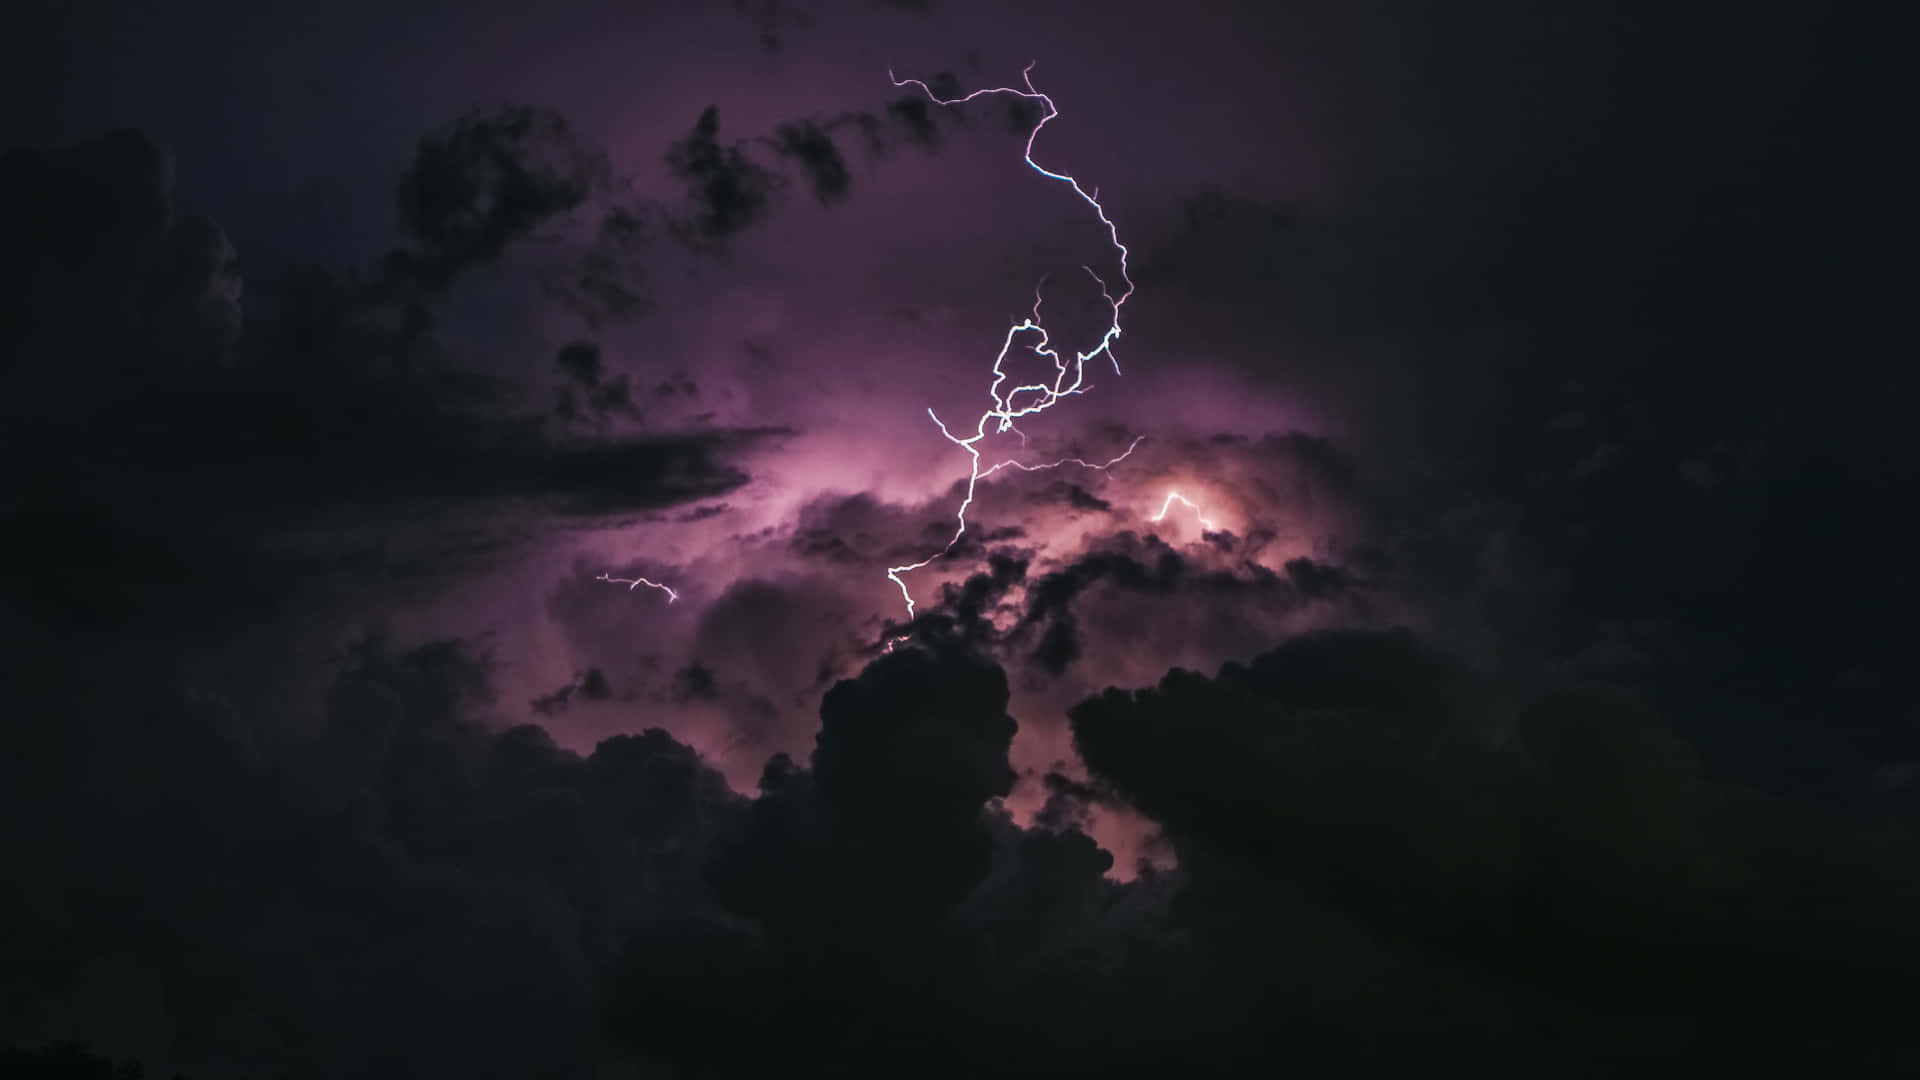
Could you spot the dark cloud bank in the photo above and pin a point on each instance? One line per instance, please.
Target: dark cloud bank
(1384, 860)
(1665, 823)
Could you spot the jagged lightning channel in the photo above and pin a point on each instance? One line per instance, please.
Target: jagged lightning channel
(634, 583)
(1109, 463)
(1069, 376)
(1176, 497)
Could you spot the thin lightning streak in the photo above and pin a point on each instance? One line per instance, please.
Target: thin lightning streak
(1006, 409)
(634, 583)
(1103, 466)
(1173, 497)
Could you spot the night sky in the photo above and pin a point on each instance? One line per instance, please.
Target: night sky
(1515, 684)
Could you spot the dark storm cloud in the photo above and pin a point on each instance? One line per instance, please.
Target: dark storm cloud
(590, 396)
(764, 650)
(826, 169)
(581, 362)
(897, 781)
(886, 850)
(1568, 841)
(680, 385)
(1151, 566)
(1615, 287)
(96, 250)
(1068, 803)
(195, 290)
(819, 544)
(1372, 838)
(122, 512)
(962, 619)
(695, 682)
(79, 564)
(740, 674)
(975, 598)
(1148, 567)
(1657, 492)
(729, 190)
(1316, 466)
(129, 442)
(492, 180)
(1080, 498)
(1220, 241)
(919, 117)
(590, 684)
(1046, 896)
(609, 280)
(1444, 872)
(485, 183)
(1316, 581)
(775, 18)
(377, 885)
(847, 529)
(780, 21)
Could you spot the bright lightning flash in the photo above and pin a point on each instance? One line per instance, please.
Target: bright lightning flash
(1176, 497)
(634, 583)
(1069, 376)
(1026, 399)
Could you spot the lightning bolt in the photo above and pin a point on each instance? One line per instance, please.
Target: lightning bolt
(1009, 404)
(1069, 376)
(1176, 497)
(1103, 466)
(634, 583)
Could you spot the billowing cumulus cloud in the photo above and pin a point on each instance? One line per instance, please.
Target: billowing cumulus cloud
(1432, 839)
